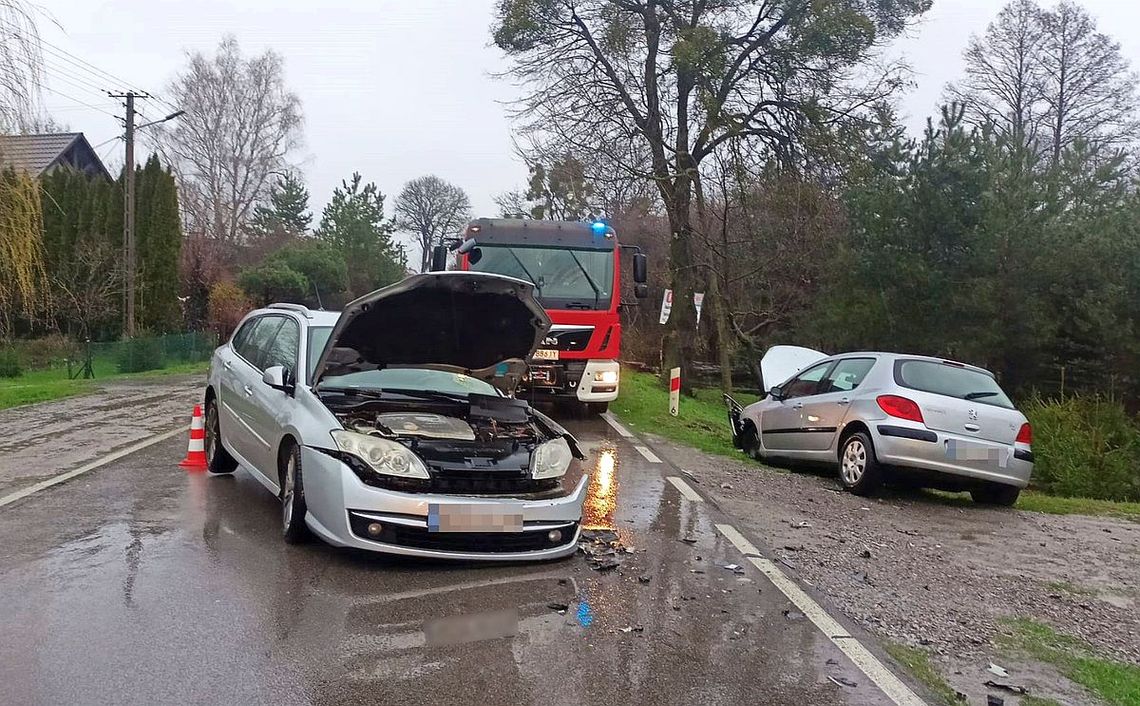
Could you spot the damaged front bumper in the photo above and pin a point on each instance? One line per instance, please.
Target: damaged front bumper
(735, 412)
(341, 509)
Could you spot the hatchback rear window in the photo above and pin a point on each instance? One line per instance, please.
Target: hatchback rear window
(950, 380)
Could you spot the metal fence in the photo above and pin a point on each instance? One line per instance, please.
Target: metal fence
(57, 357)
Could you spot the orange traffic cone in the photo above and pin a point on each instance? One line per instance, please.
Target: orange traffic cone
(196, 454)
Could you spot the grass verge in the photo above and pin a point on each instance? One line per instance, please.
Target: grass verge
(917, 662)
(643, 405)
(46, 385)
(1115, 682)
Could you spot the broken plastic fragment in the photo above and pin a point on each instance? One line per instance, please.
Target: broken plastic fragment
(997, 670)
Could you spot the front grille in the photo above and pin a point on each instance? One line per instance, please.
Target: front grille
(481, 542)
(569, 339)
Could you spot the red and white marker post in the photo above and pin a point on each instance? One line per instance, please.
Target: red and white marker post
(675, 391)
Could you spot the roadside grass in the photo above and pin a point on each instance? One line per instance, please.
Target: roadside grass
(1115, 682)
(917, 662)
(1070, 588)
(643, 405)
(46, 385)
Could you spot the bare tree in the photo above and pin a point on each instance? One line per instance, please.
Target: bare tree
(1090, 90)
(21, 62)
(656, 86)
(1004, 82)
(431, 208)
(240, 124)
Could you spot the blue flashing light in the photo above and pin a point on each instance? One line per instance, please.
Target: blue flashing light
(599, 227)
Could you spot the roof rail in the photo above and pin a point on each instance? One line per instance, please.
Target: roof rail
(304, 310)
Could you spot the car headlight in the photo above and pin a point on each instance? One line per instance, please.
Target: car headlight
(551, 459)
(608, 377)
(384, 456)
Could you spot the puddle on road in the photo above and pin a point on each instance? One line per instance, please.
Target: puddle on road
(602, 494)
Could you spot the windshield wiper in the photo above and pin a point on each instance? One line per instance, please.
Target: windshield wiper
(589, 279)
(979, 395)
(378, 393)
(537, 286)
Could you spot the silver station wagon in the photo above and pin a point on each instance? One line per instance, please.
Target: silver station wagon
(390, 427)
(889, 416)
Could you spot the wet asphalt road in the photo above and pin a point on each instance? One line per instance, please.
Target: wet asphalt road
(141, 583)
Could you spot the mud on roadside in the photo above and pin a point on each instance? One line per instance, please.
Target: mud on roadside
(940, 576)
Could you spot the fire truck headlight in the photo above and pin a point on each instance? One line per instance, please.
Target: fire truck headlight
(608, 377)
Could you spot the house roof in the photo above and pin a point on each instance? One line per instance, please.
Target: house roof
(39, 154)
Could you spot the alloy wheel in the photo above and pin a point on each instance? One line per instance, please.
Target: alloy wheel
(854, 461)
(287, 496)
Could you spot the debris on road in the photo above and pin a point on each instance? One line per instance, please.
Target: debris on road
(842, 681)
(602, 548)
(997, 670)
(643, 579)
(802, 524)
(1011, 688)
(992, 700)
(793, 614)
(866, 553)
(689, 540)
(631, 628)
(734, 568)
(559, 607)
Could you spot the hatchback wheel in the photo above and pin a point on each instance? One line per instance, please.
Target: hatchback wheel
(750, 442)
(293, 498)
(996, 494)
(858, 469)
(218, 460)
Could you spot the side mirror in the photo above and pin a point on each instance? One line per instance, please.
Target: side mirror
(641, 290)
(474, 256)
(640, 268)
(279, 378)
(776, 393)
(439, 258)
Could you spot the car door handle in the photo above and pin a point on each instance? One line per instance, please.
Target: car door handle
(248, 390)
(798, 405)
(844, 401)
(228, 365)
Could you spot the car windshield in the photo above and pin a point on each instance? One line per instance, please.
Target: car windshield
(951, 380)
(563, 277)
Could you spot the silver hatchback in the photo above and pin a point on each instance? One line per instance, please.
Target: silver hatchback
(878, 416)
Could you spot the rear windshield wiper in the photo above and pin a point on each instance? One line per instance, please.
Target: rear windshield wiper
(979, 395)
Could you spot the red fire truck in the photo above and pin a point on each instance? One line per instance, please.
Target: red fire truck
(576, 270)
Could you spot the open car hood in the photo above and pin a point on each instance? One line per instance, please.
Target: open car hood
(480, 324)
(782, 362)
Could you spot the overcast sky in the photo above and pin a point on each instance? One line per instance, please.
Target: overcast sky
(393, 88)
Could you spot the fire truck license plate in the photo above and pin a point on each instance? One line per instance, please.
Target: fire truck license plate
(545, 354)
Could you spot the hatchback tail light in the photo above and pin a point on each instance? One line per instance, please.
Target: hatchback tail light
(900, 407)
(1025, 434)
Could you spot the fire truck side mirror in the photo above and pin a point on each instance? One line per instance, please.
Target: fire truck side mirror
(439, 258)
(640, 269)
(641, 291)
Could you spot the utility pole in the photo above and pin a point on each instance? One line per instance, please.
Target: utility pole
(129, 245)
(129, 208)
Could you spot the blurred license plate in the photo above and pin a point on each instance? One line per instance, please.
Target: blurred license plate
(454, 517)
(959, 450)
(545, 354)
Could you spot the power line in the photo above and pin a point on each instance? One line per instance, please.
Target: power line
(98, 73)
(73, 98)
(55, 74)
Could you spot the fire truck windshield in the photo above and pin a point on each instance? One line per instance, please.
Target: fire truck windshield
(564, 278)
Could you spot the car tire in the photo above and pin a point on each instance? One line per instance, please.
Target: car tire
(996, 494)
(859, 470)
(750, 442)
(293, 506)
(218, 460)
(597, 407)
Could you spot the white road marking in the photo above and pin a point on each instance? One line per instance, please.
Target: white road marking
(613, 422)
(686, 491)
(649, 455)
(875, 670)
(151, 441)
